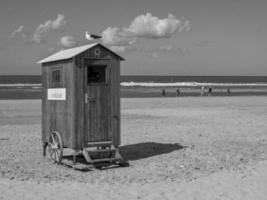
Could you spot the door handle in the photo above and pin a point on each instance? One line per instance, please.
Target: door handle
(116, 117)
(91, 98)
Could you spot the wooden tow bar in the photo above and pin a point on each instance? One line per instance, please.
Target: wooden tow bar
(81, 106)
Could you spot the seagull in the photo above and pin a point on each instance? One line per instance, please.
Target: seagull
(91, 36)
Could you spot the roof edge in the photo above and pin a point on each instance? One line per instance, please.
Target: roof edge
(46, 60)
(121, 58)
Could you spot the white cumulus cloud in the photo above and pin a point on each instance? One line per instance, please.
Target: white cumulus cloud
(144, 26)
(18, 31)
(149, 26)
(57, 24)
(117, 37)
(68, 41)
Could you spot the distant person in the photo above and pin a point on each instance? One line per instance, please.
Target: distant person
(163, 92)
(202, 90)
(178, 93)
(210, 91)
(228, 91)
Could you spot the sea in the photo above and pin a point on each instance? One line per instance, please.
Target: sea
(29, 86)
(199, 79)
(36, 79)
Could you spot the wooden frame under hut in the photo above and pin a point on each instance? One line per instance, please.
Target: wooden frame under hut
(81, 104)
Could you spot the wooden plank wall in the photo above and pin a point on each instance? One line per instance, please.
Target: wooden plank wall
(78, 104)
(114, 89)
(67, 117)
(98, 112)
(115, 102)
(58, 115)
(45, 117)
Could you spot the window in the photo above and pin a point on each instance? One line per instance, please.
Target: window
(97, 74)
(56, 77)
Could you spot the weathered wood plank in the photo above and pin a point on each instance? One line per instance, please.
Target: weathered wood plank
(79, 97)
(98, 110)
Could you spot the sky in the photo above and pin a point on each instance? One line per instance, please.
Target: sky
(170, 37)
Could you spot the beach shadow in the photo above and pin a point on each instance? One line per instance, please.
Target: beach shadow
(147, 149)
(128, 152)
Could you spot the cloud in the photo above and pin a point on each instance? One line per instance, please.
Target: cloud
(118, 49)
(57, 24)
(39, 33)
(122, 49)
(185, 27)
(144, 26)
(149, 26)
(18, 32)
(68, 41)
(117, 37)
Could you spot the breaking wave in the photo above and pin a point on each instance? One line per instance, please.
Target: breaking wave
(189, 84)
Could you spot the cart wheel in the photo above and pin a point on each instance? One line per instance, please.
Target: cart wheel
(55, 147)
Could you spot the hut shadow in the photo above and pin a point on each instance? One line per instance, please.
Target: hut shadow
(147, 149)
(128, 152)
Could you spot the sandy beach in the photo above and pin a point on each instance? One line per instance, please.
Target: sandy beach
(34, 91)
(178, 148)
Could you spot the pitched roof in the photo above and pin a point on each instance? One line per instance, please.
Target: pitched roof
(70, 53)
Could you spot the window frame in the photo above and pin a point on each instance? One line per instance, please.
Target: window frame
(54, 82)
(106, 75)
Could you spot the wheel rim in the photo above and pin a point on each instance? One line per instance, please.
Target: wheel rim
(55, 147)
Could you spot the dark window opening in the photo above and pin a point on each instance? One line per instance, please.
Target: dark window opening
(97, 74)
(56, 77)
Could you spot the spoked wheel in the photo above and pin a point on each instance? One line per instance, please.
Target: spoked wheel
(55, 147)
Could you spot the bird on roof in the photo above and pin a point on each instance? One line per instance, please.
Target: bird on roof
(91, 36)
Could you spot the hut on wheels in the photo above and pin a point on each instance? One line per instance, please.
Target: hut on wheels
(81, 104)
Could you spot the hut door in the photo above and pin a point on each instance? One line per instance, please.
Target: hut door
(97, 101)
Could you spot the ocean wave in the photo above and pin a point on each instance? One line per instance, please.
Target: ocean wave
(155, 84)
(21, 85)
(188, 84)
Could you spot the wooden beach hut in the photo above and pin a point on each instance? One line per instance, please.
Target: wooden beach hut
(81, 103)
